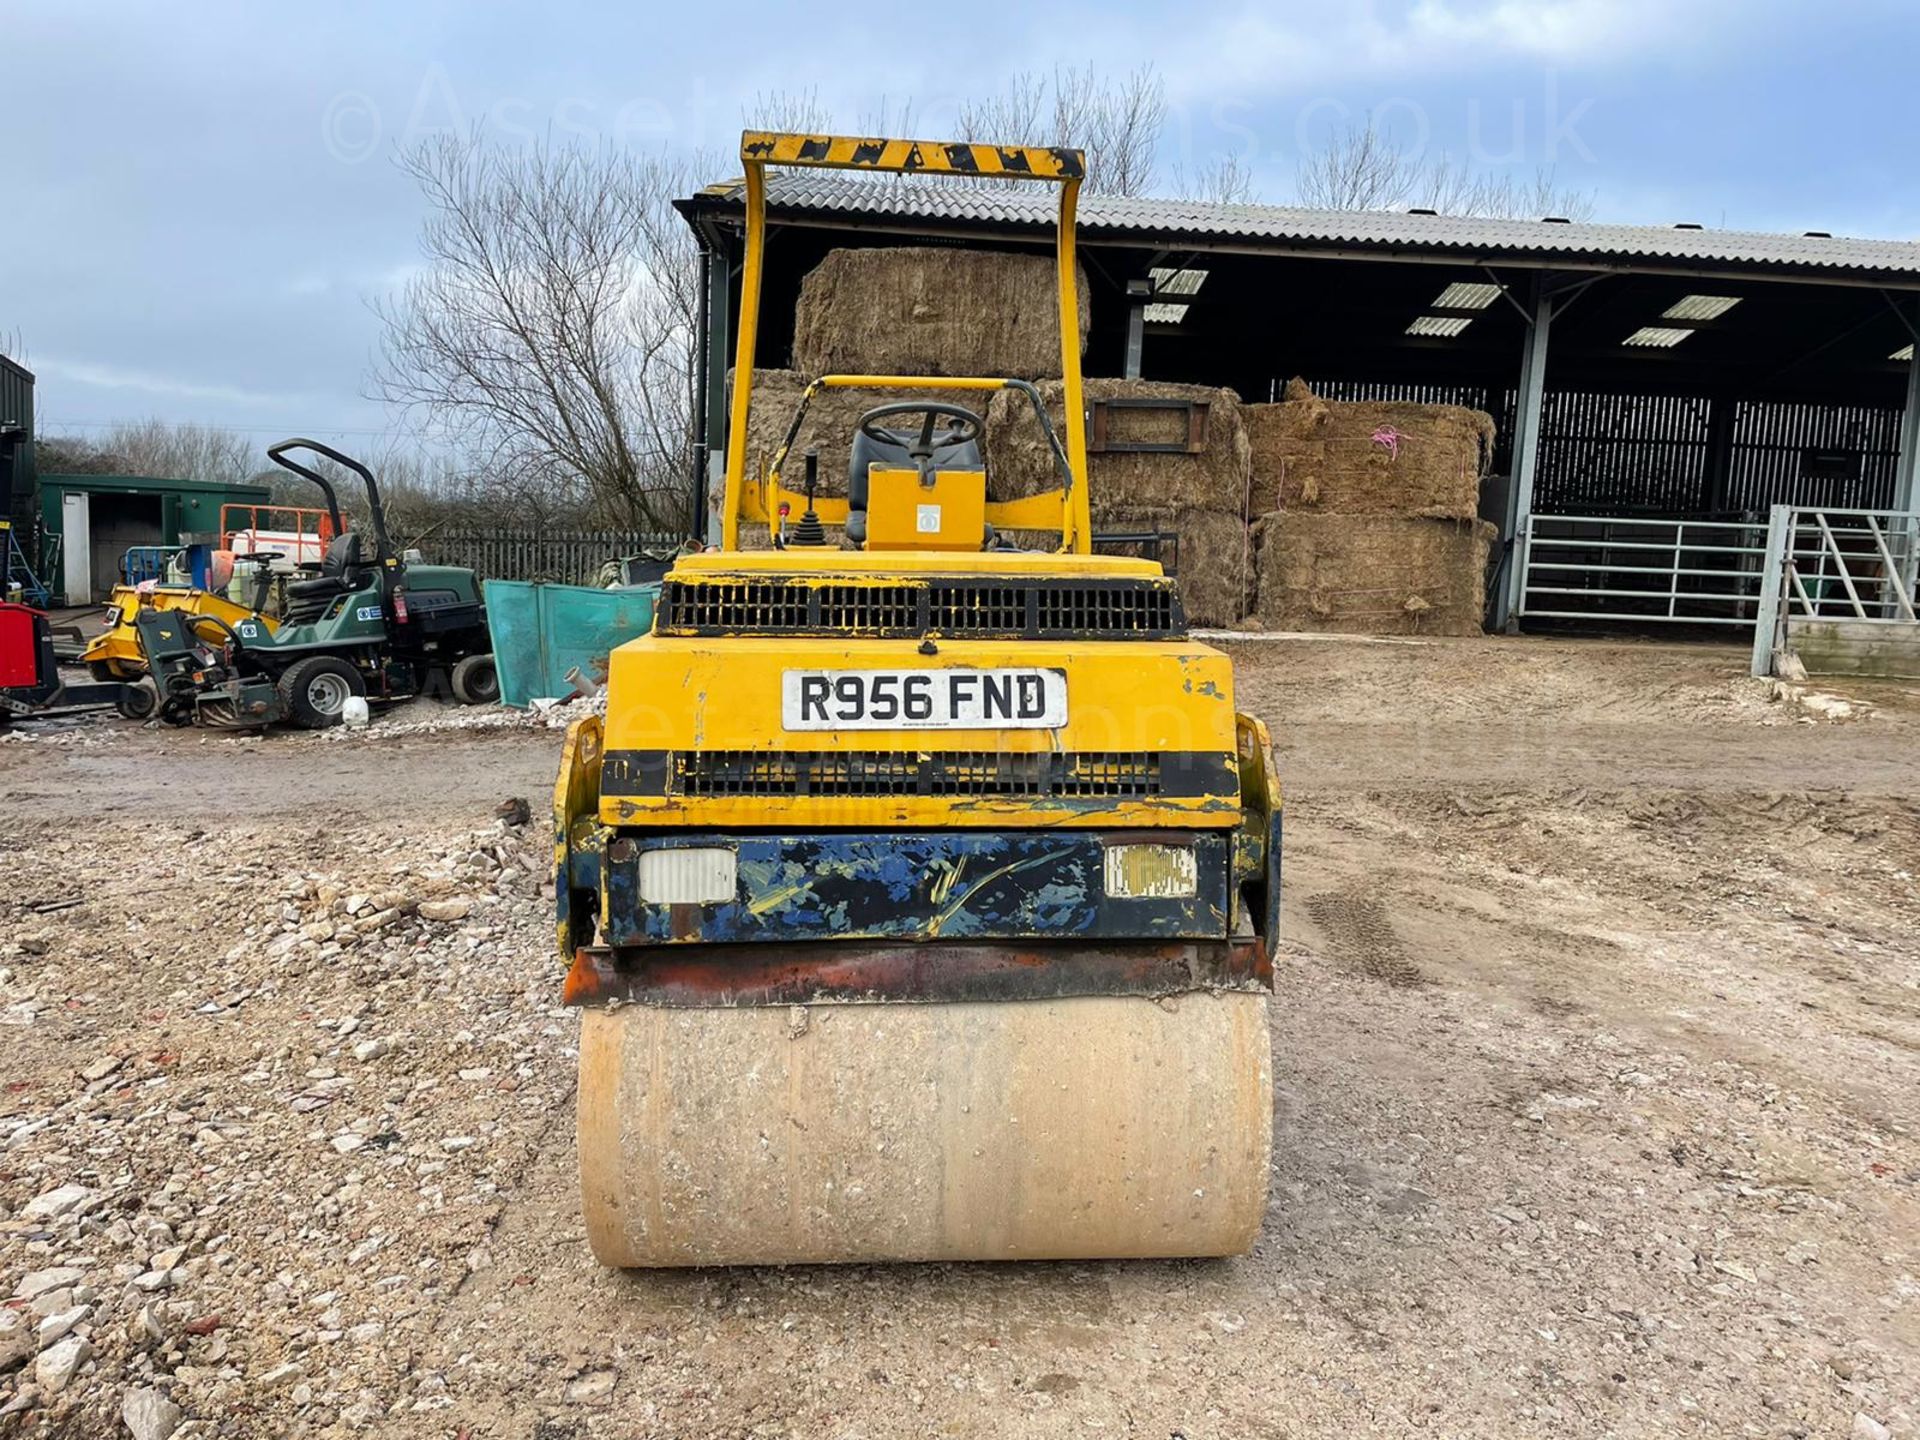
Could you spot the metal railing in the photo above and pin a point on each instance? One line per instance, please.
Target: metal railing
(1856, 567)
(1613, 567)
(572, 557)
(141, 563)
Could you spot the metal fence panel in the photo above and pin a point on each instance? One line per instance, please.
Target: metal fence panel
(1654, 455)
(568, 557)
(1771, 442)
(1636, 568)
(1847, 574)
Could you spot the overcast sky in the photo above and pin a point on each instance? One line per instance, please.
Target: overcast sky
(200, 200)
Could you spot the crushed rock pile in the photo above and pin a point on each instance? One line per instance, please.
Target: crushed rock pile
(249, 1204)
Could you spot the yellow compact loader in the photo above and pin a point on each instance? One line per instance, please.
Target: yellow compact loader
(920, 892)
(115, 654)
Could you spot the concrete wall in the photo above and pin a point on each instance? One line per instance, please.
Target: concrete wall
(1856, 647)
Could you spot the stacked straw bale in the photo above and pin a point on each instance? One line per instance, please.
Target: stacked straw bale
(1366, 514)
(916, 310)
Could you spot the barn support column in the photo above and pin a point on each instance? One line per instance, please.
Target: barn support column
(1908, 467)
(1906, 494)
(716, 344)
(1139, 294)
(1509, 595)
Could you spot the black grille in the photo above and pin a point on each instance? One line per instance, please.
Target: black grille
(880, 608)
(1055, 609)
(748, 604)
(1084, 775)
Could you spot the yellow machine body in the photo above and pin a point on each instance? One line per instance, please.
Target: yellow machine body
(920, 893)
(686, 696)
(945, 511)
(116, 652)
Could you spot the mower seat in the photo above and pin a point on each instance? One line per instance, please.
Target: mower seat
(897, 451)
(307, 600)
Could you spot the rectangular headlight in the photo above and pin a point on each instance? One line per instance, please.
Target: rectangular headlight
(1150, 872)
(704, 876)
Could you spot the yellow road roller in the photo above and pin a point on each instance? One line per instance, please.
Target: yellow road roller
(919, 890)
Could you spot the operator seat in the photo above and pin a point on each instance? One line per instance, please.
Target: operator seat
(307, 600)
(896, 452)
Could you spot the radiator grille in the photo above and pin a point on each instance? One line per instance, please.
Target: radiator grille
(1082, 775)
(1058, 609)
(881, 608)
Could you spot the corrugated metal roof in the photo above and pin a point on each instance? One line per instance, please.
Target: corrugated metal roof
(1280, 227)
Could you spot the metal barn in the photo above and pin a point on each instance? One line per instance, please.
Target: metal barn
(1657, 389)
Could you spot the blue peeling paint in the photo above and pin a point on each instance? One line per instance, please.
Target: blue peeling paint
(917, 885)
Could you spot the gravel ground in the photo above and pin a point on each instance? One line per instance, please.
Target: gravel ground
(1596, 1048)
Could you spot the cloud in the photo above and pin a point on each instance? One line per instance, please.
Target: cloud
(1562, 32)
(1250, 51)
(115, 377)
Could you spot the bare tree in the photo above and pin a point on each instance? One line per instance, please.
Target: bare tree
(550, 331)
(1116, 120)
(1357, 169)
(173, 450)
(789, 111)
(1364, 168)
(1223, 180)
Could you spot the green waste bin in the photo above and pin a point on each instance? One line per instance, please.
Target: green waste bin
(541, 632)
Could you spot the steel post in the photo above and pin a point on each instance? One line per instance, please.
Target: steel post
(1510, 599)
(1772, 582)
(717, 303)
(1906, 477)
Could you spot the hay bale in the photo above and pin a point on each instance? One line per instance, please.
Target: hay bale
(1287, 451)
(1372, 574)
(1215, 557)
(1021, 463)
(1367, 457)
(828, 427)
(925, 311)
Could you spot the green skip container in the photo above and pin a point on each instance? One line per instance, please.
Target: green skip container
(541, 632)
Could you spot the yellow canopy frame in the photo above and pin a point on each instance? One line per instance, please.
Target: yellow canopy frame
(1068, 508)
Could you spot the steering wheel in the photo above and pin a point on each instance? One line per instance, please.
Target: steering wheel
(967, 424)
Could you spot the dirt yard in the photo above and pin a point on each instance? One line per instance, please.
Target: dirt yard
(1597, 1048)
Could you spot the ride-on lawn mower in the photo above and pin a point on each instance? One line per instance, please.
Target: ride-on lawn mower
(378, 626)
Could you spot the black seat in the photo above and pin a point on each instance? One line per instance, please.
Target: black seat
(896, 453)
(307, 600)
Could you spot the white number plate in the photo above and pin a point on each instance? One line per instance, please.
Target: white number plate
(923, 699)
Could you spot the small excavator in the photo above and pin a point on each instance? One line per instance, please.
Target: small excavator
(919, 892)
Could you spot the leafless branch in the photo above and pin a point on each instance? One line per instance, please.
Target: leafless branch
(1223, 180)
(549, 332)
(790, 111)
(1116, 120)
(1363, 168)
(171, 450)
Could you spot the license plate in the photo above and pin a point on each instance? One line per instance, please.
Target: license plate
(923, 699)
